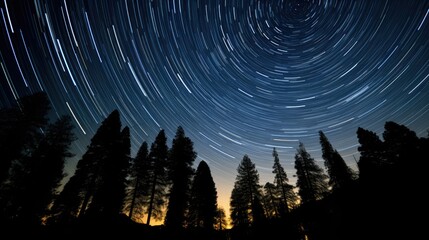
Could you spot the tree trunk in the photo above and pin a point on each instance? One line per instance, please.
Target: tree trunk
(152, 196)
(133, 201)
(88, 195)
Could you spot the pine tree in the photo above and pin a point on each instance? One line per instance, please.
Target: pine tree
(20, 129)
(372, 161)
(239, 207)
(107, 201)
(203, 200)
(340, 174)
(281, 182)
(101, 154)
(407, 155)
(66, 205)
(312, 182)
(98, 182)
(181, 158)
(246, 190)
(403, 154)
(34, 183)
(47, 169)
(138, 187)
(122, 169)
(157, 180)
(117, 174)
(271, 200)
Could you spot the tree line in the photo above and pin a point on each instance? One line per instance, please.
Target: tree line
(111, 188)
(382, 200)
(108, 184)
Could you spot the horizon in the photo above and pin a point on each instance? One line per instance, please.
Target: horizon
(239, 77)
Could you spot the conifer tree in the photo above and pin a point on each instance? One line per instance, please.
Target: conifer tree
(181, 158)
(33, 184)
(283, 187)
(138, 189)
(246, 190)
(157, 180)
(271, 200)
(340, 174)
(372, 160)
(20, 129)
(239, 207)
(98, 184)
(101, 155)
(113, 179)
(203, 199)
(311, 182)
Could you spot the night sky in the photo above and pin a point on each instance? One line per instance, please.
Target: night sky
(240, 76)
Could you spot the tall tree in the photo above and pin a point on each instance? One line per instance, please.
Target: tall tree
(403, 154)
(246, 190)
(340, 174)
(281, 182)
(239, 207)
(34, 183)
(203, 200)
(181, 158)
(20, 133)
(372, 160)
(271, 200)
(138, 187)
(98, 175)
(311, 182)
(66, 205)
(406, 154)
(157, 180)
(98, 161)
(20, 129)
(108, 198)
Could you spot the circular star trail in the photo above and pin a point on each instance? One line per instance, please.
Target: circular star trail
(241, 77)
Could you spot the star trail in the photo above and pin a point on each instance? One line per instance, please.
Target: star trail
(240, 76)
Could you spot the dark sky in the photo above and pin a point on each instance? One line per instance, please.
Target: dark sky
(240, 76)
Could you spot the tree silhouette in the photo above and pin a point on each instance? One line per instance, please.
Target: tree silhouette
(107, 201)
(33, 183)
(339, 173)
(66, 206)
(98, 184)
(220, 220)
(203, 199)
(35, 152)
(181, 158)
(47, 167)
(246, 190)
(138, 187)
(311, 182)
(20, 129)
(284, 189)
(406, 154)
(271, 200)
(382, 166)
(372, 161)
(157, 180)
(99, 156)
(402, 145)
(239, 207)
